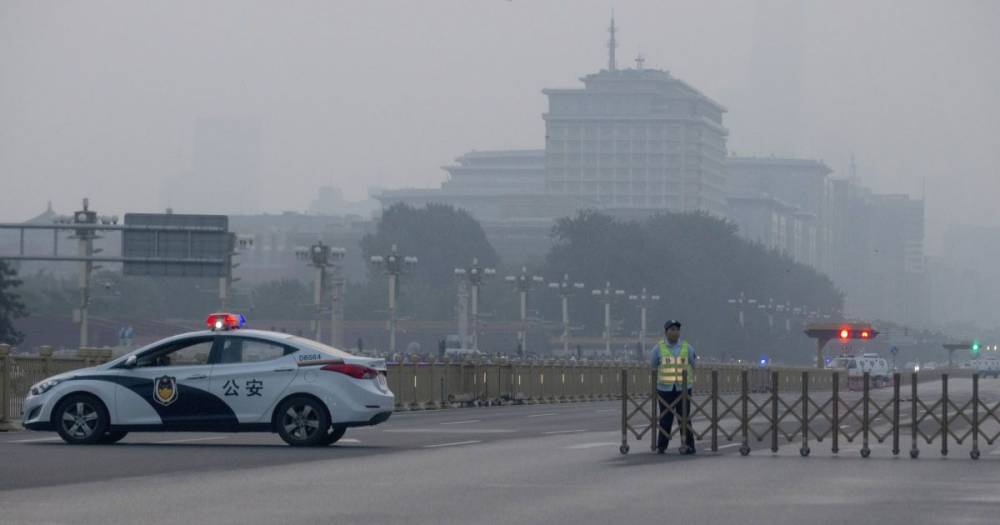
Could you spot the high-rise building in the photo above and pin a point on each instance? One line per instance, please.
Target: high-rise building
(636, 139)
(788, 194)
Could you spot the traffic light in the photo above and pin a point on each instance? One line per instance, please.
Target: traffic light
(865, 334)
(845, 334)
(975, 348)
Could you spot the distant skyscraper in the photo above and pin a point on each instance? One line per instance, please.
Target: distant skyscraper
(636, 139)
(225, 175)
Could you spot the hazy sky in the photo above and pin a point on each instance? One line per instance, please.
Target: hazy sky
(106, 99)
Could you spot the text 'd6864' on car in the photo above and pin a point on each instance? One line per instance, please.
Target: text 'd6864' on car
(223, 379)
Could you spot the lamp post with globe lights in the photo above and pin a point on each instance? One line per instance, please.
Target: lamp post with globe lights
(393, 265)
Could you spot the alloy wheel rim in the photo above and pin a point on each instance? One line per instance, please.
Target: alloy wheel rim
(301, 421)
(80, 420)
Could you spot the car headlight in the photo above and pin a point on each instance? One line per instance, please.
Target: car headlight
(45, 386)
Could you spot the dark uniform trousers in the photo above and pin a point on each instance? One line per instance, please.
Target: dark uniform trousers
(667, 418)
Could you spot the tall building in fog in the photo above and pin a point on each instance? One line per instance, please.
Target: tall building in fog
(636, 139)
(225, 162)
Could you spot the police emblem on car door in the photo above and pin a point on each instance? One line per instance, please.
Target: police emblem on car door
(165, 390)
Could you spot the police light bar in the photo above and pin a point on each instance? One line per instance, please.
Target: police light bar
(225, 321)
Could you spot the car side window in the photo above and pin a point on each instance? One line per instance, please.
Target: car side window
(246, 350)
(186, 352)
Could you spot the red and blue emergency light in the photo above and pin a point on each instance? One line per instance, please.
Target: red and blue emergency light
(225, 321)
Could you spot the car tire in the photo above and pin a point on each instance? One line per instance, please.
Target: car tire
(334, 435)
(112, 436)
(80, 419)
(302, 422)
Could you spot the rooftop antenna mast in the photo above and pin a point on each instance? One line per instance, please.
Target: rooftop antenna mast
(612, 44)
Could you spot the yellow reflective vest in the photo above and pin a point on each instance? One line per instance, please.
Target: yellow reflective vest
(671, 368)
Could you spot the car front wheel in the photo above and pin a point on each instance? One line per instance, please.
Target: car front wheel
(303, 422)
(81, 420)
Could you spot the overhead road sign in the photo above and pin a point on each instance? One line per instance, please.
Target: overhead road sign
(178, 245)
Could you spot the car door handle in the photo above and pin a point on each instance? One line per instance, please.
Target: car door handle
(283, 370)
(196, 376)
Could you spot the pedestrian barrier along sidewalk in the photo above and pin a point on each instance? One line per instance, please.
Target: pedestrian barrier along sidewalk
(810, 407)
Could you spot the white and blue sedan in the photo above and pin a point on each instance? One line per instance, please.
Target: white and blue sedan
(224, 379)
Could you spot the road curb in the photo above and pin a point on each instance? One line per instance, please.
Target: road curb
(10, 426)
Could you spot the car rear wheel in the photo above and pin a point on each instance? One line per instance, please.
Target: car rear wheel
(112, 436)
(81, 420)
(334, 435)
(303, 422)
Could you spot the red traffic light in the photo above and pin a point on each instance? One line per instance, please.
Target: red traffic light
(845, 334)
(865, 334)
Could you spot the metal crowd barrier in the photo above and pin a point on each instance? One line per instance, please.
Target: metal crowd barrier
(810, 405)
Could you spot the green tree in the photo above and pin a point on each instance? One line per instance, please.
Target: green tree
(282, 300)
(696, 263)
(442, 238)
(11, 307)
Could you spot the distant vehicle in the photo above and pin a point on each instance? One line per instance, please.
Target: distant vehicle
(453, 348)
(986, 367)
(462, 352)
(224, 379)
(876, 366)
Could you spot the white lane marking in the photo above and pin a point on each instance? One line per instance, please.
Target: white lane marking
(543, 415)
(608, 410)
(461, 422)
(349, 440)
(582, 446)
(36, 440)
(455, 444)
(448, 431)
(564, 431)
(188, 440)
(844, 426)
(995, 452)
(731, 445)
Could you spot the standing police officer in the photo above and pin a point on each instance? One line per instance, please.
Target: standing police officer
(670, 357)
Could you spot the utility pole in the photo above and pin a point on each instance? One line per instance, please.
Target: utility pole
(474, 276)
(644, 300)
(326, 259)
(523, 284)
(394, 265)
(565, 288)
(607, 295)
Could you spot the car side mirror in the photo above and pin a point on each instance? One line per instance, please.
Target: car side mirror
(131, 361)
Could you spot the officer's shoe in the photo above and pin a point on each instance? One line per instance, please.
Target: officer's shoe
(661, 450)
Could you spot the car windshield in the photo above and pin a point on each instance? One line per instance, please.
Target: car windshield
(313, 345)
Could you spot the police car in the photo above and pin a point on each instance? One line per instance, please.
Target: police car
(223, 379)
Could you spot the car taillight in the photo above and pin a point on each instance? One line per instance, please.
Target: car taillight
(355, 371)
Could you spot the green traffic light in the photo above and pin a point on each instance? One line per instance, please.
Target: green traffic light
(975, 347)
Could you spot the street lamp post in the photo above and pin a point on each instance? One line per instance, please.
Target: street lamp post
(565, 288)
(475, 276)
(85, 249)
(523, 284)
(607, 295)
(323, 257)
(394, 265)
(644, 300)
(740, 302)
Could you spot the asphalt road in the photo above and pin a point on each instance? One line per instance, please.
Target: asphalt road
(523, 464)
